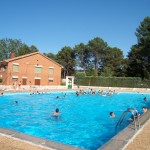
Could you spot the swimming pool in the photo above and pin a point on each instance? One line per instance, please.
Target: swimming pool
(84, 121)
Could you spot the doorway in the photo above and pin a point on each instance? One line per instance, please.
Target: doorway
(37, 81)
(24, 81)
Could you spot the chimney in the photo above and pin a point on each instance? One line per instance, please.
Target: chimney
(12, 55)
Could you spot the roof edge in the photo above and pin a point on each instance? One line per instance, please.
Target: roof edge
(30, 54)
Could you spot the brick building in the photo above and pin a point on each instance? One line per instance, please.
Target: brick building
(30, 69)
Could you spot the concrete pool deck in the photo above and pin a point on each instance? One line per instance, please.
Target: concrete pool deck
(140, 141)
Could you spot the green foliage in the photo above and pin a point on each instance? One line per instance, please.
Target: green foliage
(24, 49)
(96, 58)
(13, 45)
(139, 56)
(97, 49)
(33, 48)
(107, 72)
(51, 56)
(80, 75)
(113, 62)
(1, 80)
(7, 46)
(82, 56)
(114, 82)
(90, 71)
(66, 58)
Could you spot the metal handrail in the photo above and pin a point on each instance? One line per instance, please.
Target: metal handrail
(133, 112)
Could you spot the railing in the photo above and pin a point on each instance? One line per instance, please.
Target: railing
(135, 118)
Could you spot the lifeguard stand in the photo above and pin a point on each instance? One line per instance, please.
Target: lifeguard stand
(69, 82)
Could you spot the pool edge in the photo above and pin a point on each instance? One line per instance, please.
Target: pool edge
(123, 138)
(36, 141)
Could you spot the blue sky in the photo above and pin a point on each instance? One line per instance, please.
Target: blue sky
(52, 24)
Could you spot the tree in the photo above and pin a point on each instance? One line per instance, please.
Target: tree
(114, 61)
(107, 72)
(25, 49)
(13, 45)
(66, 58)
(82, 56)
(139, 56)
(7, 46)
(97, 48)
(90, 71)
(51, 56)
(33, 48)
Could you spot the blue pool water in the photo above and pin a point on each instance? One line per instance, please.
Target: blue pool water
(84, 121)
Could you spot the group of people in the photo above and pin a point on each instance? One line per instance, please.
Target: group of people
(93, 92)
(37, 92)
(17, 85)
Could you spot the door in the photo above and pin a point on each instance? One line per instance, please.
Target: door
(37, 81)
(24, 81)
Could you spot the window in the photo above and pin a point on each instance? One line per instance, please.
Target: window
(38, 69)
(50, 79)
(14, 78)
(51, 70)
(15, 67)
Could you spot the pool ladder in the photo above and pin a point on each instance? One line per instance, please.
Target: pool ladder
(135, 118)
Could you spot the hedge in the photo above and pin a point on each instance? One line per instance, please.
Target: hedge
(113, 82)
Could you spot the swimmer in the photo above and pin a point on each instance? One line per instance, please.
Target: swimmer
(137, 115)
(16, 102)
(1, 94)
(144, 109)
(112, 115)
(77, 93)
(56, 113)
(37, 92)
(145, 99)
(64, 95)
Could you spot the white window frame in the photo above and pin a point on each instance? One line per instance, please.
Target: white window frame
(38, 66)
(15, 64)
(49, 70)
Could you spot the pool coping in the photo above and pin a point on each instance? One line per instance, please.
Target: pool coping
(33, 140)
(123, 138)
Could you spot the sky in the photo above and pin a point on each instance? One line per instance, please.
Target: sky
(52, 24)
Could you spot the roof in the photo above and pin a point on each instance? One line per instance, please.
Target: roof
(27, 55)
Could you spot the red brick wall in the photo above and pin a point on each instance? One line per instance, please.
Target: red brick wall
(27, 69)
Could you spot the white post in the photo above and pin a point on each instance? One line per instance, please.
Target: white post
(69, 82)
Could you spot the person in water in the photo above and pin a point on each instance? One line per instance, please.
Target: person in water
(144, 109)
(112, 115)
(135, 116)
(1, 94)
(145, 99)
(56, 113)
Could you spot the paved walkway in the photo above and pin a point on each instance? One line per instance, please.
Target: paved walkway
(142, 140)
(7, 143)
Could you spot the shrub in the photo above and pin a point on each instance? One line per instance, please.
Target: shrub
(80, 75)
